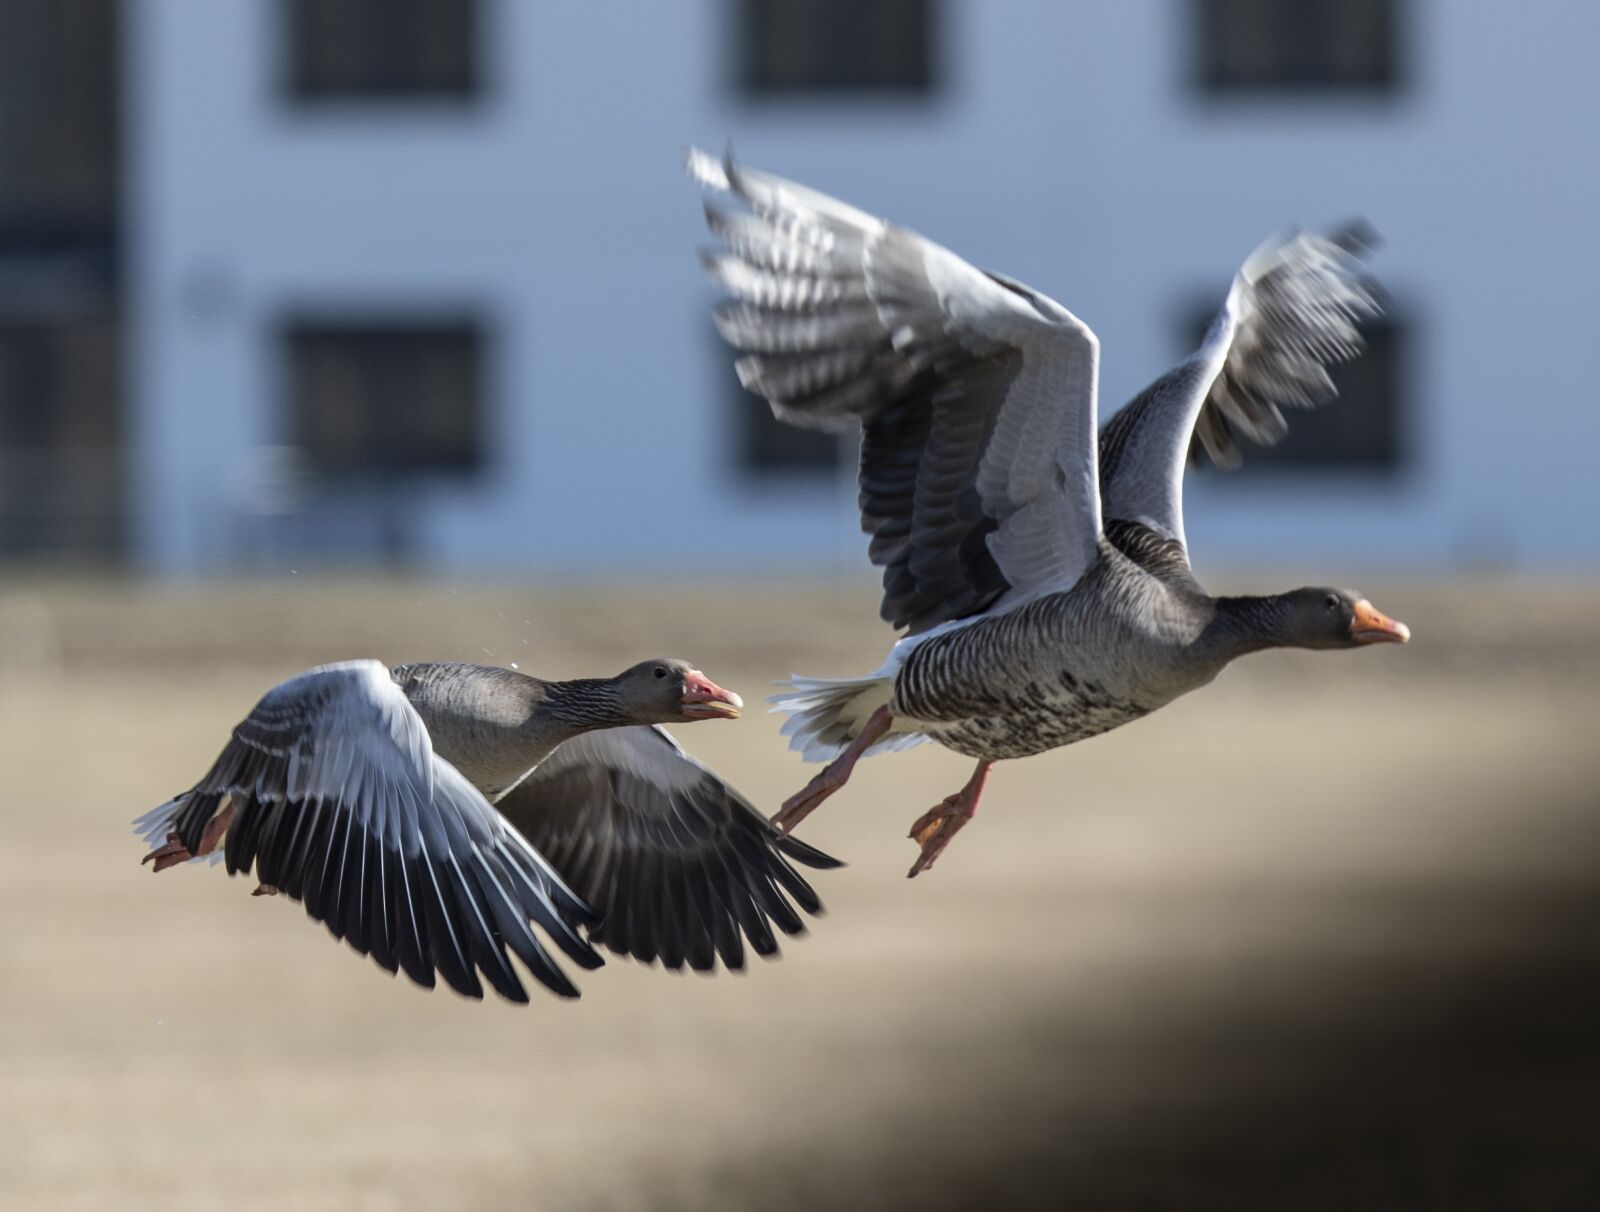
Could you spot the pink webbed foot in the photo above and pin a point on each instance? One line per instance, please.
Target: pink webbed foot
(175, 852)
(169, 855)
(935, 827)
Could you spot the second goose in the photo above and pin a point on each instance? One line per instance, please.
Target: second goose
(371, 794)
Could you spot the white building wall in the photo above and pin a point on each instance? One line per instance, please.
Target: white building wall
(1066, 146)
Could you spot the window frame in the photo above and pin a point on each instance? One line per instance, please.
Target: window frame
(744, 67)
(1208, 80)
(469, 92)
(746, 422)
(1267, 463)
(294, 323)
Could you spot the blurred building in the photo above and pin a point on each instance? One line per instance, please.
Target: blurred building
(358, 282)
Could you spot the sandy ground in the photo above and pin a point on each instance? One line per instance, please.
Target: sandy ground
(1323, 936)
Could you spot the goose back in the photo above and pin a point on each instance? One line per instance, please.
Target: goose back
(494, 725)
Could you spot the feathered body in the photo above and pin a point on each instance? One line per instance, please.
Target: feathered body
(1061, 668)
(1038, 565)
(431, 814)
(487, 719)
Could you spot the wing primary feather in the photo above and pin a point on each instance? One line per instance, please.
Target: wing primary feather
(449, 958)
(792, 847)
(512, 925)
(802, 892)
(669, 929)
(381, 938)
(352, 906)
(538, 902)
(484, 944)
(338, 872)
(414, 950)
(244, 832)
(725, 936)
(748, 914)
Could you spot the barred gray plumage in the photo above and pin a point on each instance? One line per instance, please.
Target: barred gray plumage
(370, 796)
(1041, 573)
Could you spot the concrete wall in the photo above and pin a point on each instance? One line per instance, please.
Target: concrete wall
(1067, 147)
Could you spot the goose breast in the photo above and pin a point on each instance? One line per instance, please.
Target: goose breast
(1061, 668)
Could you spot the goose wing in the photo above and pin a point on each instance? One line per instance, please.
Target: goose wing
(680, 864)
(976, 395)
(1291, 313)
(339, 801)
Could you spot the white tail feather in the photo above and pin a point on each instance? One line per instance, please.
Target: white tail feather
(826, 714)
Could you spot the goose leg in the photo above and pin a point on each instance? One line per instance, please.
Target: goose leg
(935, 827)
(834, 775)
(175, 852)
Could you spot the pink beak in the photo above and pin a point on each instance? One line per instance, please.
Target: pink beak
(1372, 626)
(703, 699)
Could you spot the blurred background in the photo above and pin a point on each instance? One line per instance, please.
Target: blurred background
(373, 327)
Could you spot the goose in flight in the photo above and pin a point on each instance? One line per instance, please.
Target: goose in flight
(1038, 566)
(431, 814)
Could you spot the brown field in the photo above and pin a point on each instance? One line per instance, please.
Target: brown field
(1323, 936)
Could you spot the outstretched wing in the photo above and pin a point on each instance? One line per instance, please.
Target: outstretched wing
(339, 801)
(1292, 312)
(976, 395)
(679, 862)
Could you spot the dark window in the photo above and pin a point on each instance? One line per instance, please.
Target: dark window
(378, 49)
(797, 47)
(60, 375)
(384, 400)
(1362, 430)
(58, 124)
(765, 445)
(1249, 46)
(60, 464)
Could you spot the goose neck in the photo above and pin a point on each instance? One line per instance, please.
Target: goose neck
(584, 704)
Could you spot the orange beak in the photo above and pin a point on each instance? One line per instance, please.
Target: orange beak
(703, 699)
(1372, 626)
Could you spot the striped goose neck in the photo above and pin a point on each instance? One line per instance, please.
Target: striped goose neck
(584, 704)
(1248, 624)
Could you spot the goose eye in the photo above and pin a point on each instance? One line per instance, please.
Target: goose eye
(1331, 601)
(660, 671)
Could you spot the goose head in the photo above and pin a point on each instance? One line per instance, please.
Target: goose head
(1335, 618)
(667, 691)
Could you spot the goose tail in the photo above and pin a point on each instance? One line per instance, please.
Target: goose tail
(826, 714)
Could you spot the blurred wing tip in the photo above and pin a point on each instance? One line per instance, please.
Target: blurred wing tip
(809, 856)
(709, 170)
(1357, 236)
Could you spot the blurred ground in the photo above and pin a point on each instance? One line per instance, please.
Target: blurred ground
(1320, 937)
